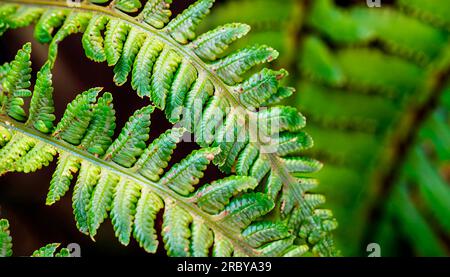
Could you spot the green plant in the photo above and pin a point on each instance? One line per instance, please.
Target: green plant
(369, 81)
(202, 89)
(6, 245)
(419, 198)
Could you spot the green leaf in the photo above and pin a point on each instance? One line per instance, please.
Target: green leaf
(157, 13)
(42, 107)
(101, 128)
(143, 66)
(46, 251)
(156, 157)
(232, 68)
(82, 193)
(93, 42)
(183, 80)
(48, 22)
(5, 239)
(182, 28)
(39, 156)
(74, 23)
(176, 231)
(126, 196)
(17, 79)
(128, 5)
(433, 188)
(262, 232)
(202, 239)
(164, 72)
(131, 141)
(77, 117)
(115, 36)
(144, 224)
(16, 148)
(211, 45)
(134, 41)
(183, 176)
(214, 197)
(245, 209)
(61, 179)
(260, 87)
(101, 201)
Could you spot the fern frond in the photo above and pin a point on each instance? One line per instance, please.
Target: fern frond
(125, 179)
(185, 75)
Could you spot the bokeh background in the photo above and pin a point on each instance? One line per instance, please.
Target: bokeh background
(373, 84)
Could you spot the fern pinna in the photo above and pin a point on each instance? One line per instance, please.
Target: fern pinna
(46, 251)
(207, 92)
(424, 176)
(366, 79)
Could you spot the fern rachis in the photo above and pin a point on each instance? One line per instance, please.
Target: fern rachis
(136, 45)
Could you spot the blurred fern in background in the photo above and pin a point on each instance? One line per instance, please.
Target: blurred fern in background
(374, 84)
(198, 86)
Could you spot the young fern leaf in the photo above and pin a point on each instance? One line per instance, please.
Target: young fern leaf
(199, 86)
(125, 179)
